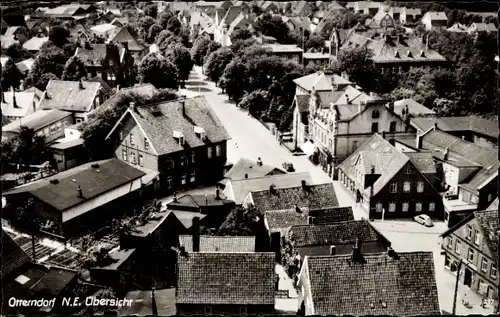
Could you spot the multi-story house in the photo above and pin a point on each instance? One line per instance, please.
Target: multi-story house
(375, 284)
(205, 286)
(317, 58)
(474, 242)
(409, 15)
(433, 20)
(383, 19)
(246, 168)
(135, 44)
(183, 140)
(337, 130)
(286, 51)
(389, 183)
(112, 62)
(366, 7)
(77, 97)
(468, 171)
(396, 53)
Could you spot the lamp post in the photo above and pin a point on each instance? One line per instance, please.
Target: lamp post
(456, 288)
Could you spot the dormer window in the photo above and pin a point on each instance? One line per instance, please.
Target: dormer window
(179, 136)
(200, 132)
(131, 137)
(146, 144)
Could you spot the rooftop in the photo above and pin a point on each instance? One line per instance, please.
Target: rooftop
(461, 123)
(34, 43)
(69, 95)
(383, 285)
(283, 48)
(320, 81)
(37, 120)
(414, 107)
(250, 168)
(13, 257)
(197, 201)
(226, 278)
(26, 102)
(219, 244)
(95, 54)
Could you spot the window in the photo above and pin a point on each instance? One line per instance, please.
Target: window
(208, 310)
(46, 131)
(121, 135)
(218, 150)
(392, 207)
(192, 157)
(209, 152)
(78, 120)
(420, 187)
(418, 207)
(192, 177)
(493, 270)
(59, 126)
(131, 139)
(379, 207)
(406, 186)
(457, 247)
(141, 160)
(183, 160)
(354, 145)
(183, 180)
(170, 164)
(468, 229)
(146, 144)
(477, 238)
(473, 199)
(124, 154)
(432, 206)
(408, 169)
(393, 187)
(406, 206)
(132, 158)
(392, 126)
(375, 114)
(484, 265)
(470, 256)
(374, 127)
(169, 182)
(449, 242)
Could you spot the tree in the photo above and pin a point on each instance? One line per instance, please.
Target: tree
(234, 77)
(212, 47)
(58, 35)
(315, 42)
(160, 72)
(240, 34)
(357, 63)
(151, 10)
(23, 218)
(255, 102)
(286, 120)
(11, 76)
(272, 26)
(154, 30)
(199, 50)
(174, 25)
(217, 62)
(166, 40)
(74, 69)
(143, 25)
(18, 53)
(180, 57)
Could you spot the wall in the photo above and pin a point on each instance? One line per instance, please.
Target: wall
(341, 249)
(488, 193)
(304, 286)
(480, 251)
(192, 309)
(55, 130)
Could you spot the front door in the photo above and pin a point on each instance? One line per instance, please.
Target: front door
(467, 277)
(358, 196)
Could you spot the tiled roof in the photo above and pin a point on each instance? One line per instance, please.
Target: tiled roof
(284, 219)
(7, 40)
(494, 205)
(25, 66)
(457, 27)
(219, 244)
(67, 95)
(124, 34)
(351, 95)
(143, 90)
(102, 28)
(186, 217)
(238, 189)
(484, 27)
(250, 168)
(11, 30)
(319, 81)
(37, 120)
(423, 161)
(405, 285)
(118, 257)
(159, 128)
(103, 83)
(13, 257)
(462, 123)
(197, 201)
(434, 15)
(299, 7)
(25, 103)
(93, 182)
(282, 48)
(95, 55)
(413, 12)
(231, 14)
(485, 157)
(313, 197)
(34, 43)
(413, 107)
(239, 22)
(226, 278)
(339, 233)
(488, 221)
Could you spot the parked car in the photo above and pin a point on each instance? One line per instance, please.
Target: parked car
(424, 220)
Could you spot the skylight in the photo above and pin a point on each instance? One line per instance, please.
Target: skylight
(21, 279)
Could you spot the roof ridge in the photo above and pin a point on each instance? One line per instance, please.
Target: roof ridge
(267, 177)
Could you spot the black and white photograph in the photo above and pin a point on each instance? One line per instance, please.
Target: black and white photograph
(249, 158)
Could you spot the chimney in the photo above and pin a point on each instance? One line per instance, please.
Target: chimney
(217, 194)
(131, 105)
(348, 101)
(463, 137)
(246, 176)
(391, 106)
(372, 170)
(34, 106)
(80, 191)
(80, 84)
(356, 250)
(359, 107)
(383, 135)
(435, 126)
(304, 184)
(196, 234)
(446, 152)
(391, 252)
(259, 162)
(271, 189)
(332, 250)
(297, 209)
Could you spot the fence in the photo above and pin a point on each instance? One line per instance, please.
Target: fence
(31, 177)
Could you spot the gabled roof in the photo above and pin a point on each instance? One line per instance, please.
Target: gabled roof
(25, 66)
(67, 95)
(25, 103)
(96, 54)
(438, 16)
(494, 205)
(11, 30)
(186, 217)
(338, 233)
(37, 120)
(462, 123)
(232, 13)
(34, 43)
(402, 285)
(413, 107)
(483, 27)
(124, 34)
(320, 81)
(226, 278)
(485, 157)
(7, 40)
(219, 244)
(300, 7)
(107, 88)
(102, 28)
(423, 161)
(241, 187)
(351, 96)
(13, 257)
(457, 27)
(312, 196)
(143, 90)
(284, 219)
(159, 124)
(94, 181)
(250, 168)
(239, 22)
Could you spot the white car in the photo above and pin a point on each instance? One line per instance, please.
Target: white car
(424, 220)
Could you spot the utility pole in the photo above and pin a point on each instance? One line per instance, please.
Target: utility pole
(456, 288)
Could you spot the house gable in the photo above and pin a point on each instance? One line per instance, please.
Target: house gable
(460, 232)
(358, 122)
